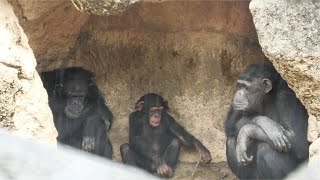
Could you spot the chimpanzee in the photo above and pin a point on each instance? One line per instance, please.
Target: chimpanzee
(155, 138)
(80, 114)
(266, 126)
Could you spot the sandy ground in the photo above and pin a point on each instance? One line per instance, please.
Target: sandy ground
(214, 171)
(184, 170)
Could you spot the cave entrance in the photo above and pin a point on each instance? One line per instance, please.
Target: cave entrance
(190, 52)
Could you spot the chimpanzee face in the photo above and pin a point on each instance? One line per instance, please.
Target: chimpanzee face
(250, 94)
(73, 89)
(152, 106)
(155, 116)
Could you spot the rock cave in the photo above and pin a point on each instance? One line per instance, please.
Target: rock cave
(190, 52)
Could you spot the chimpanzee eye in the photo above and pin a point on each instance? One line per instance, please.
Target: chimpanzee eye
(241, 86)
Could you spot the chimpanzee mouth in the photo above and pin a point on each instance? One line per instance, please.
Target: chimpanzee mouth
(72, 113)
(74, 107)
(155, 123)
(240, 106)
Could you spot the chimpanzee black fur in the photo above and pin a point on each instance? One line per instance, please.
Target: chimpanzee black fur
(266, 126)
(80, 114)
(155, 138)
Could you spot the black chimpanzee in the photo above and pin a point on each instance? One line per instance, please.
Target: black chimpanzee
(155, 138)
(266, 126)
(80, 114)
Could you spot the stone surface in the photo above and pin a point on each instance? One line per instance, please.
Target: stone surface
(185, 51)
(27, 160)
(23, 101)
(103, 7)
(52, 35)
(315, 151)
(305, 171)
(33, 9)
(188, 51)
(288, 32)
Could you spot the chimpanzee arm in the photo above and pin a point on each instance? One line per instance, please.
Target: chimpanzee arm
(188, 140)
(251, 132)
(275, 132)
(104, 112)
(65, 127)
(295, 120)
(134, 126)
(247, 134)
(93, 129)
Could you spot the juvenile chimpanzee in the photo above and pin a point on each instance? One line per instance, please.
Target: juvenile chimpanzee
(79, 112)
(155, 138)
(266, 126)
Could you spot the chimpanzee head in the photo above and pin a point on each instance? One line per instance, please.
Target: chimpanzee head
(255, 85)
(72, 86)
(152, 105)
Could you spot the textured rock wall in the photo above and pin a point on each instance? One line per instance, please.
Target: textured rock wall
(188, 51)
(52, 28)
(288, 32)
(23, 102)
(105, 7)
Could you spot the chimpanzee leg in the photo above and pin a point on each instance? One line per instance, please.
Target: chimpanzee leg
(132, 158)
(97, 132)
(272, 164)
(242, 172)
(108, 151)
(75, 141)
(171, 154)
(127, 155)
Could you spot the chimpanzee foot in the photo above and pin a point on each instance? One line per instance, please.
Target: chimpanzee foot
(164, 171)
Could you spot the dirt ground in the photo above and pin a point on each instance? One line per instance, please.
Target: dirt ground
(215, 171)
(184, 170)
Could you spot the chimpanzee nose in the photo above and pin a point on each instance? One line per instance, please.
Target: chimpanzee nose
(76, 102)
(157, 115)
(240, 93)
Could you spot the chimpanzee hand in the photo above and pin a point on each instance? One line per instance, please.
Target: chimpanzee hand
(243, 142)
(164, 170)
(205, 155)
(203, 151)
(275, 132)
(88, 143)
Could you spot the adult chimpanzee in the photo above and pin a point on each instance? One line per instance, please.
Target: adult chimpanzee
(80, 115)
(266, 126)
(155, 138)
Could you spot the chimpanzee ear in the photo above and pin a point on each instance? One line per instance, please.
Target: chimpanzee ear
(267, 85)
(139, 106)
(166, 104)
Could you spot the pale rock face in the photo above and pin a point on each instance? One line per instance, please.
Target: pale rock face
(103, 7)
(288, 32)
(23, 107)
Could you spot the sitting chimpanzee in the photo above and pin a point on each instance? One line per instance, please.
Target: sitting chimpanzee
(266, 126)
(155, 138)
(80, 115)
